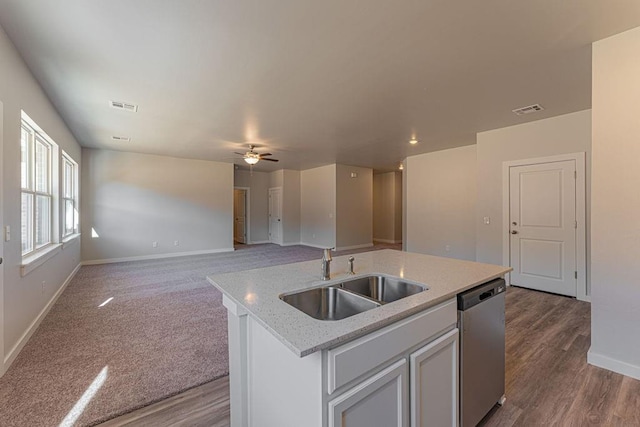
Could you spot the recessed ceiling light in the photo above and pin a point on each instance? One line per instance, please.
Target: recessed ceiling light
(413, 141)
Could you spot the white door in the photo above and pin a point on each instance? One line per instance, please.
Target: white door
(379, 401)
(434, 383)
(2, 236)
(239, 215)
(275, 215)
(542, 218)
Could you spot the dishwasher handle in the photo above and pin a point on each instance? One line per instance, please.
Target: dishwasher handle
(480, 293)
(488, 294)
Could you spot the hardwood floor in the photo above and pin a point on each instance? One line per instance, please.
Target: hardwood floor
(548, 380)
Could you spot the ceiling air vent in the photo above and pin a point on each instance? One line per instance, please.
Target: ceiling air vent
(121, 138)
(124, 106)
(528, 110)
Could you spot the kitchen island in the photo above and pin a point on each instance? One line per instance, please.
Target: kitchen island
(387, 366)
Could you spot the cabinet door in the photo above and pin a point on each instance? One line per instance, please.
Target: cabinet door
(379, 401)
(434, 383)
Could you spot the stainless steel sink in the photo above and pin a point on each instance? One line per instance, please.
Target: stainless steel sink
(329, 303)
(382, 288)
(350, 297)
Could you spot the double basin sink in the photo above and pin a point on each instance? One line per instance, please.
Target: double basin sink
(350, 297)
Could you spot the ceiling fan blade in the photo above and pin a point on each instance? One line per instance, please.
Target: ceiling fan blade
(266, 154)
(239, 154)
(271, 160)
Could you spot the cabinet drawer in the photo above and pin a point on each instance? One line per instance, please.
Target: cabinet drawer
(349, 361)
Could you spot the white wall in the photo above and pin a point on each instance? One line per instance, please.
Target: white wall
(2, 368)
(441, 203)
(387, 207)
(276, 178)
(615, 207)
(569, 133)
(318, 206)
(24, 297)
(354, 207)
(132, 200)
(258, 183)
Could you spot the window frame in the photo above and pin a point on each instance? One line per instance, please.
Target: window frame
(71, 196)
(35, 137)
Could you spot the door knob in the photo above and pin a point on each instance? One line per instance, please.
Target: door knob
(514, 232)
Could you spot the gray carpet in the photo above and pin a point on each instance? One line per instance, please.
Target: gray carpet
(163, 332)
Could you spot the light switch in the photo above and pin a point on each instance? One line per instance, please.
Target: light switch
(487, 220)
(7, 233)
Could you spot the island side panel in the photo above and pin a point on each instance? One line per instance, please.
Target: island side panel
(238, 382)
(284, 390)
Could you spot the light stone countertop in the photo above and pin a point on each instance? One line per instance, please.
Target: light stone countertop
(258, 292)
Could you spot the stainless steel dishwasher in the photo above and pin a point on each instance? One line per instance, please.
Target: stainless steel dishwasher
(482, 326)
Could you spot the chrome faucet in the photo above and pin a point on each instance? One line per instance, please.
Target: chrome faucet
(326, 264)
(351, 259)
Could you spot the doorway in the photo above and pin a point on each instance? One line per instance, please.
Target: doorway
(544, 224)
(275, 215)
(387, 207)
(241, 215)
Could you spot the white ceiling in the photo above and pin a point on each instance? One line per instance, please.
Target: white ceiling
(313, 82)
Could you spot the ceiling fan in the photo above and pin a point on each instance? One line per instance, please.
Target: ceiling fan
(252, 157)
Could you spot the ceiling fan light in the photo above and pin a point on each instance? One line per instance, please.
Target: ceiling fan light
(251, 160)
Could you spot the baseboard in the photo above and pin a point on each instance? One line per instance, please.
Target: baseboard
(348, 248)
(259, 242)
(585, 298)
(156, 256)
(614, 365)
(11, 356)
(393, 242)
(292, 244)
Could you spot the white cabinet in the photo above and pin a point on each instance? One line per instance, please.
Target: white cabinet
(379, 401)
(427, 396)
(434, 383)
(402, 374)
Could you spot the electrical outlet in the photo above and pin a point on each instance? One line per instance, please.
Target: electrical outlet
(313, 236)
(176, 243)
(447, 248)
(43, 284)
(487, 220)
(7, 233)
(154, 244)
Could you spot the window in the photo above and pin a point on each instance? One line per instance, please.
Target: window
(69, 196)
(37, 195)
(49, 207)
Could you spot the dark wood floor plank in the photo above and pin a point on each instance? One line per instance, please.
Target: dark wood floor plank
(548, 380)
(628, 403)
